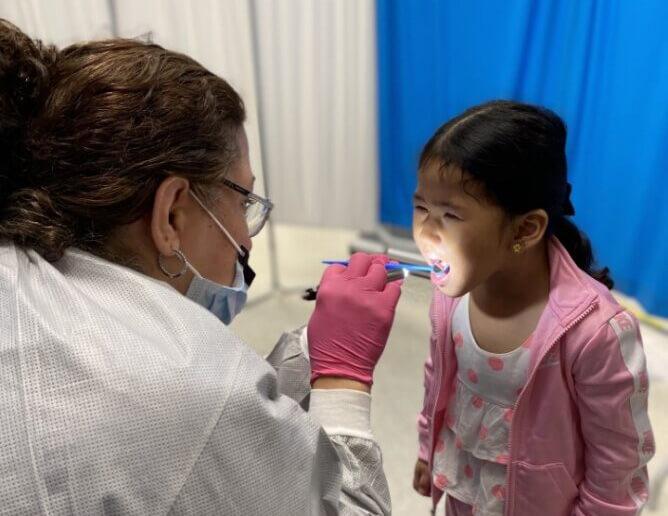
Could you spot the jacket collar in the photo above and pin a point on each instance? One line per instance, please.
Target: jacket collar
(570, 294)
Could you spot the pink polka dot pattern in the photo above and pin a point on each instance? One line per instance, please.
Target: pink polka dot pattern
(499, 491)
(481, 402)
(441, 481)
(440, 446)
(508, 415)
(495, 363)
(502, 458)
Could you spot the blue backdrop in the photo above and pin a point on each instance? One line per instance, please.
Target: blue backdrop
(602, 65)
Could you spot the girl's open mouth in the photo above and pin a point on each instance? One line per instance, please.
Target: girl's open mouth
(440, 271)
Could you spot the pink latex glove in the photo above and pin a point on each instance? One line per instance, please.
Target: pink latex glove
(352, 318)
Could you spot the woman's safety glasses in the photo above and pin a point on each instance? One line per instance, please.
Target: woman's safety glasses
(257, 208)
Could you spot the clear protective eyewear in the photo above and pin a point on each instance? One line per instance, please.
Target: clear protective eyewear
(257, 209)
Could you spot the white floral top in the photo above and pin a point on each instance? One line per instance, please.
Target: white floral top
(472, 449)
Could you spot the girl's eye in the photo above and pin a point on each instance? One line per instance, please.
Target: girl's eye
(421, 209)
(450, 216)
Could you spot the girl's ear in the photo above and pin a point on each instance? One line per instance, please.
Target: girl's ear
(530, 228)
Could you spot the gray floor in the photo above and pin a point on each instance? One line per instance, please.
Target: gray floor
(397, 391)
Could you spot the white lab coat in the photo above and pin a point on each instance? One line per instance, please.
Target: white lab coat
(120, 396)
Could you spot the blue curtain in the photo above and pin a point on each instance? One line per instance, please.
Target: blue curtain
(601, 65)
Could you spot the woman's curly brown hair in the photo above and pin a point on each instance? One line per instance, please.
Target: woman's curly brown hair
(88, 133)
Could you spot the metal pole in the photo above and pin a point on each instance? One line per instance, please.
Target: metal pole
(113, 17)
(271, 234)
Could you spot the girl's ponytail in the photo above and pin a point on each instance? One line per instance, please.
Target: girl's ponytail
(578, 246)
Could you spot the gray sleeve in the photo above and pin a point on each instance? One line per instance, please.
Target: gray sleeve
(265, 455)
(364, 488)
(293, 371)
(262, 455)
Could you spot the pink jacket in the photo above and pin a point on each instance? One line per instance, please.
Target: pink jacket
(580, 437)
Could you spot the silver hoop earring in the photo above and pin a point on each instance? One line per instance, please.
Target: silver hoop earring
(184, 265)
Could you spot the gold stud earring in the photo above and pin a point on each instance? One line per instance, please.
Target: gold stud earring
(517, 248)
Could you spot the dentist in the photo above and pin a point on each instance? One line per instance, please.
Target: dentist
(126, 217)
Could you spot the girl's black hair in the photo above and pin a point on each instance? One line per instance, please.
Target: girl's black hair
(518, 153)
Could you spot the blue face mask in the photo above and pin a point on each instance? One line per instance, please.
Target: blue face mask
(223, 301)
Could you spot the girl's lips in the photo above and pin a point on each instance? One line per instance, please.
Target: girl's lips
(438, 279)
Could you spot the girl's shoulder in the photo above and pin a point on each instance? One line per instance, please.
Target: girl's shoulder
(582, 305)
(608, 323)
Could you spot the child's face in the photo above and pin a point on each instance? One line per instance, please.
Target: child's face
(455, 224)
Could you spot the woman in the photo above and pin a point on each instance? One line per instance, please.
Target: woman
(126, 217)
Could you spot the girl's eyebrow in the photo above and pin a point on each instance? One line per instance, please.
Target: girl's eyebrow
(440, 204)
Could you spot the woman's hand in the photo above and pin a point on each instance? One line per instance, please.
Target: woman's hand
(422, 478)
(352, 319)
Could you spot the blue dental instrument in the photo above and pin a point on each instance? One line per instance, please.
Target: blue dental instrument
(410, 267)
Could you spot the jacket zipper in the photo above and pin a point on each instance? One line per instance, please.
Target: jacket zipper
(572, 324)
(432, 437)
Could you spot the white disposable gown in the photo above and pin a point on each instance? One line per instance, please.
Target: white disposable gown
(120, 396)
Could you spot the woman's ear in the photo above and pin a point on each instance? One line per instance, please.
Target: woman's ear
(530, 228)
(169, 211)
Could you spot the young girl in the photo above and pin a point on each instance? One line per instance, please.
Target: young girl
(536, 386)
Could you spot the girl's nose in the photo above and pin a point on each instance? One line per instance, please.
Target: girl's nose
(430, 230)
